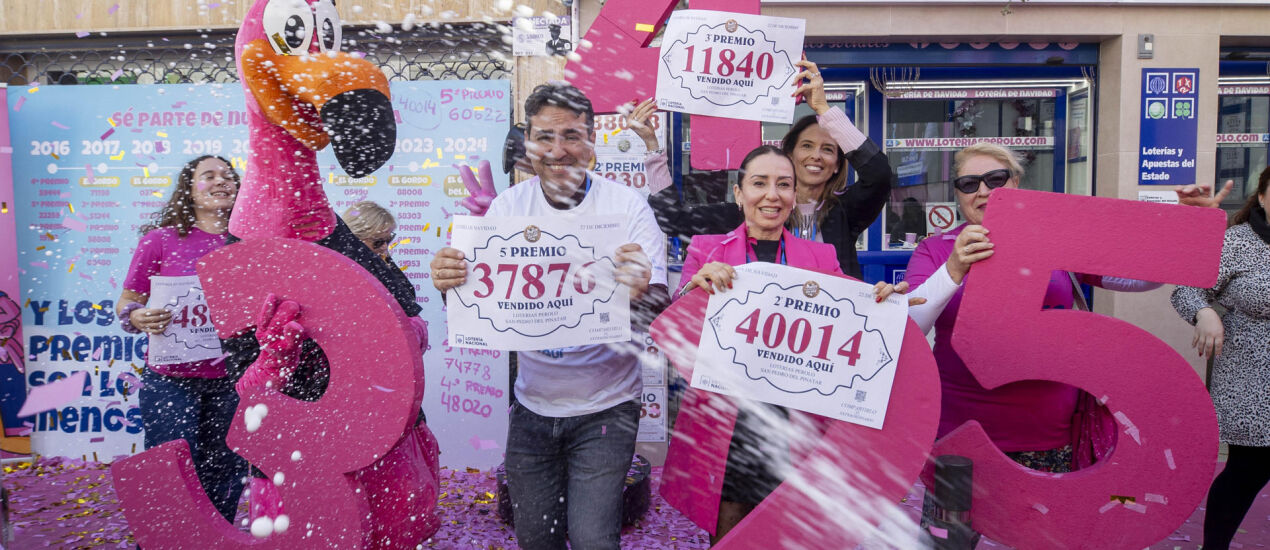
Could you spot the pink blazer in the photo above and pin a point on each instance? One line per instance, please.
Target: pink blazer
(693, 477)
(730, 248)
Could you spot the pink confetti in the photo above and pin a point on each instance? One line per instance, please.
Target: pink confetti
(74, 224)
(1108, 506)
(57, 124)
(82, 34)
(158, 147)
(113, 284)
(108, 133)
(115, 75)
(64, 195)
(98, 439)
(17, 105)
(938, 532)
(383, 389)
(53, 395)
(83, 275)
(113, 9)
(44, 265)
(178, 105)
(17, 432)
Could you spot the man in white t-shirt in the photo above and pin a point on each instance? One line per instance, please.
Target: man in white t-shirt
(573, 424)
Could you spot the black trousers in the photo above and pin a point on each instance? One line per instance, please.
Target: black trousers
(1233, 492)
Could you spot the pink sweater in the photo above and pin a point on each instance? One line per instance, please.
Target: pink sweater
(1023, 416)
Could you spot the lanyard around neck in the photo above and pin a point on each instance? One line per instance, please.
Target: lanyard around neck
(780, 247)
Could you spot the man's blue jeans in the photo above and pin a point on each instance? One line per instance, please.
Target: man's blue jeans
(566, 475)
(198, 410)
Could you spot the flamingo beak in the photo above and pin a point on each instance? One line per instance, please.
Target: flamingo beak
(325, 98)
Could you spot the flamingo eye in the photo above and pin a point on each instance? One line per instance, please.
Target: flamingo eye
(328, 25)
(289, 26)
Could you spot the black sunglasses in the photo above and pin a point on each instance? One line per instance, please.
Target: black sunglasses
(994, 179)
(382, 242)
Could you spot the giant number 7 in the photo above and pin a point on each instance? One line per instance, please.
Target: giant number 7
(1167, 446)
(618, 66)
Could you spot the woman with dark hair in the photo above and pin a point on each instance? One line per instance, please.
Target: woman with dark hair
(1239, 344)
(821, 147)
(194, 401)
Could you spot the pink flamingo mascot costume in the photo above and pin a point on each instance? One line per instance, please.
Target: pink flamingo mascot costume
(303, 94)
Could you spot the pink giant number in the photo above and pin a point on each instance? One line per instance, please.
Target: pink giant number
(848, 478)
(375, 387)
(617, 45)
(1167, 446)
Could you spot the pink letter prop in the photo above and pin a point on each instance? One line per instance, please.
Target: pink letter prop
(323, 448)
(1163, 462)
(845, 481)
(617, 44)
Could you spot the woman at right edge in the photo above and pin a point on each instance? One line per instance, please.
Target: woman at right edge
(1239, 344)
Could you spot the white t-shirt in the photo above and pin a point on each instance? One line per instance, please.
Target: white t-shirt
(585, 379)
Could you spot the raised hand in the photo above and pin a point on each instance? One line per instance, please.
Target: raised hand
(813, 90)
(480, 193)
(1198, 194)
(637, 119)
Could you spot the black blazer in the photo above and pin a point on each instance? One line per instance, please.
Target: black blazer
(855, 211)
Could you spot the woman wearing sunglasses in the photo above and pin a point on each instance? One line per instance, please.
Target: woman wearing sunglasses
(373, 225)
(1031, 422)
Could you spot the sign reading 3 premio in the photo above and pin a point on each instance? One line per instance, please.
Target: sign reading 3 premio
(814, 342)
(538, 283)
(729, 65)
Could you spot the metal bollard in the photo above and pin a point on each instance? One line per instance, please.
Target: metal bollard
(946, 521)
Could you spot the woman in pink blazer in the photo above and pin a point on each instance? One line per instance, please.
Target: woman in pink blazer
(759, 449)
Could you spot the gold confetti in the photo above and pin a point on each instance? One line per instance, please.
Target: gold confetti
(644, 27)
(111, 121)
(478, 108)
(71, 206)
(96, 306)
(71, 268)
(41, 247)
(4, 208)
(33, 89)
(117, 157)
(145, 171)
(439, 153)
(426, 226)
(161, 134)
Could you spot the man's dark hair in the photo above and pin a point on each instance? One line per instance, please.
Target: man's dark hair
(564, 96)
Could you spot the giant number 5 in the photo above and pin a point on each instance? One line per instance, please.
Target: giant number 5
(1167, 446)
(315, 445)
(617, 45)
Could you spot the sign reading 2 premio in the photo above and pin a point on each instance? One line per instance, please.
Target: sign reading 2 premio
(729, 65)
(1169, 127)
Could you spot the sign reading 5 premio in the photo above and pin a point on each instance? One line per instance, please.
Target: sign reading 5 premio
(538, 283)
(729, 65)
(801, 339)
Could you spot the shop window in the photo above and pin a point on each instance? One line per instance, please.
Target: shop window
(1243, 129)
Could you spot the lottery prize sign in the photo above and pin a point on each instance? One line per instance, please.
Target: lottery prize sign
(805, 340)
(538, 283)
(190, 335)
(729, 65)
